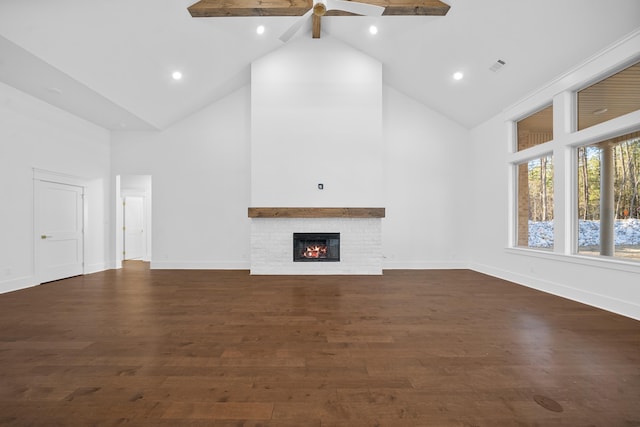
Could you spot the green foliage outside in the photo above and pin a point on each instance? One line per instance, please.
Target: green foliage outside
(626, 175)
(541, 189)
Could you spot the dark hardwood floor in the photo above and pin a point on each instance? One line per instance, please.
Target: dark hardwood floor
(222, 348)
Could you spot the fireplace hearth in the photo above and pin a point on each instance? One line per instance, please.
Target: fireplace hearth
(359, 229)
(316, 247)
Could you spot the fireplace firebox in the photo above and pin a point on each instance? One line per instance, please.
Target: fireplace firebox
(314, 247)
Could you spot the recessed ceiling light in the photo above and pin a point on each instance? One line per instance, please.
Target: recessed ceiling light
(177, 75)
(458, 75)
(373, 29)
(260, 29)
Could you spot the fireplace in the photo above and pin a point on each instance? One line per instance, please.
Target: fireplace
(273, 250)
(316, 247)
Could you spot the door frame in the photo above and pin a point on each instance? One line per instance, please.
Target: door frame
(123, 188)
(135, 193)
(58, 178)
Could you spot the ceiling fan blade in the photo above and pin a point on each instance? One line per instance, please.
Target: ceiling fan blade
(295, 27)
(355, 7)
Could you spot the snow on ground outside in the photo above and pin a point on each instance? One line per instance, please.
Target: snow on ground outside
(627, 232)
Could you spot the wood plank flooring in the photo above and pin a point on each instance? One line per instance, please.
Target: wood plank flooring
(142, 347)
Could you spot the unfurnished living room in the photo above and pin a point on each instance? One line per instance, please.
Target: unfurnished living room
(320, 213)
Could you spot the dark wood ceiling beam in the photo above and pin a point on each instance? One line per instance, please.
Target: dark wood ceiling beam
(315, 27)
(417, 8)
(227, 8)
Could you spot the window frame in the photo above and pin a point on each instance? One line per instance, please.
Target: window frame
(514, 148)
(575, 247)
(516, 158)
(598, 78)
(563, 94)
(514, 236)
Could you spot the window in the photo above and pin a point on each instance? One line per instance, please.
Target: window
(612, 97)
(609, 197)
(535, 204)
(535, 129)
(598, 170)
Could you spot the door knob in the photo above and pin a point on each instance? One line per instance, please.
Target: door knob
(45, 237)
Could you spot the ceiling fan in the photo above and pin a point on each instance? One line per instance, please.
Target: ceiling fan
(321, 7)
(314, 8)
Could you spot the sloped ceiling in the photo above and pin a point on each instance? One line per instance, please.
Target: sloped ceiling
(111, 62)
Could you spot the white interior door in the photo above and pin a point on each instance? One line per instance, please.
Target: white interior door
(134, 236)
(59, 224)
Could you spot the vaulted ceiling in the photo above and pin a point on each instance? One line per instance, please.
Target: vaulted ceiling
(111, 62)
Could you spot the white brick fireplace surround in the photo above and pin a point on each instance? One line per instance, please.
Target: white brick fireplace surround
(360, 239)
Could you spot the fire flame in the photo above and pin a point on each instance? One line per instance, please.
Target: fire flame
(315, 251)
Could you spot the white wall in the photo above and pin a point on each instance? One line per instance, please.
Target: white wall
(200, 173)
(316, 115)
(34, 134)
(201, 182)
(609, 284)
(426, 186)
(323, 104)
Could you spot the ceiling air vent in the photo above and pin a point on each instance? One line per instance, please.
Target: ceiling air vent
(497, 66)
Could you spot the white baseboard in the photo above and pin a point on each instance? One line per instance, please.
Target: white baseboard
(200, 265)
(114, 265)
(424, 265)
(17, 284)
(95, 268)
(604, 302)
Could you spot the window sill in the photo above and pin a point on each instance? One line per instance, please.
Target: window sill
(592, 261)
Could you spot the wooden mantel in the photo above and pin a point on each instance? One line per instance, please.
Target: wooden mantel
(316, 212)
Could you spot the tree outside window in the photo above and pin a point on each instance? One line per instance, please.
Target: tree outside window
(535, 203)
(609, 197)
